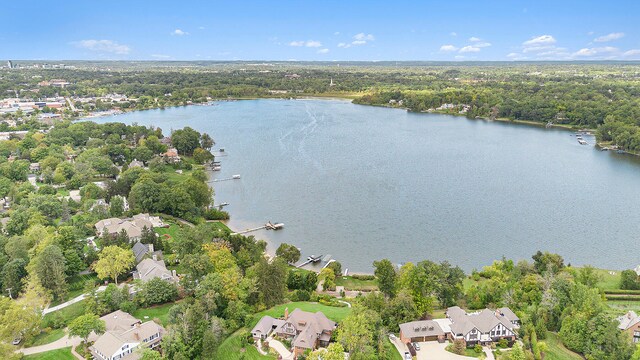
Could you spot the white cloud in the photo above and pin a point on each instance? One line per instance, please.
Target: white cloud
(482, 44)
(601, 51)
(468, 49)
(308, 43)
(364, 37)
(323, 51)
(632, 52)
(336, 33)
(609, 37)
(108, 46)
(179, 32)
(540, 40)
(453, 33)
(448, 48)
(201, 27)
(474, 39)
(344, 45)
(358, 42)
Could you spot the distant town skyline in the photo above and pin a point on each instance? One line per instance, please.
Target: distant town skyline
(325, 31)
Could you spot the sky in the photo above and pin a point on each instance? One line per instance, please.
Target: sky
(371, 30)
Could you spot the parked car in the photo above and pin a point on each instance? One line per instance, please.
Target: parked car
(416, 346)
(392, 337)
(16, 341)
(407, 356)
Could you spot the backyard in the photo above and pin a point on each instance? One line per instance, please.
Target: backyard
(59, 354)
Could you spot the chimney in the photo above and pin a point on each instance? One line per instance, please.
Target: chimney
(173, 272)
(286, 313)
(155, 257)
(150, 247)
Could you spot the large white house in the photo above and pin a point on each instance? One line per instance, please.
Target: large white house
(123, 336)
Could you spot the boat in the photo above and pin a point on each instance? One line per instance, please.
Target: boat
(236, 177)
(216, 168)
(582, 142)
(314, 258)
(620, 151)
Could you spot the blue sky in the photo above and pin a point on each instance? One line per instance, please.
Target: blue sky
(320, 30)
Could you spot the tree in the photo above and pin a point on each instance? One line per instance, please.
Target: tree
(50, 268)
(547, 261)
(334, 351)
(13, 273)
(629, 280)
(146, 195)
(386, 274)
(355, 333)
(113, 261)
(588, 276)
(157, 291)
(185, 140)
(328, 278)
(336, 266)
(206, 142)
(150, 354)
(289, 253)
(201, 155)
(142, 153)
(271, 280)
(116, 206)
(83, 325)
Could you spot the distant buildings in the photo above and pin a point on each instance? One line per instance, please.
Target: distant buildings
(9, 64)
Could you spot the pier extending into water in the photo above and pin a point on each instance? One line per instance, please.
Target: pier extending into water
(268, 226)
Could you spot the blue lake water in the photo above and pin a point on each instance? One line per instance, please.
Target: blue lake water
(364, 183)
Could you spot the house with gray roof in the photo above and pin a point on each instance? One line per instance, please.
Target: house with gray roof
(306, 330)
(629, 323)
(133, 226)
(483, 326)
(123, 336)
(421, 331)
(148, 269)
(140, 251)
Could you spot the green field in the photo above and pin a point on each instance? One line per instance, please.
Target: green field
(231, 349)
(172, 230)
(220, 226)
(333, 313)
(557, 351)
(59, 354)
(155, 312)
(48, 337)
(609, 279)
(350, 283)
(67, 314)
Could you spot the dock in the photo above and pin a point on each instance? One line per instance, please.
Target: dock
(268, 226)
(313, 259)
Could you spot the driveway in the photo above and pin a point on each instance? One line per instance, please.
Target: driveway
(63, 342)
(434, 350)
(70, 302)
(280, 349)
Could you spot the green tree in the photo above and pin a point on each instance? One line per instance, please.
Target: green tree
(13, 272)
(185, 140)
(271, 280)
(206, 142)
(328, 278)
(83, 325)
(116, 206)
(50, 268)
(157, 291)
(289, 253)
(386, 275)
(113, 261)
(355, 332)
(629, 280)
(202, 156)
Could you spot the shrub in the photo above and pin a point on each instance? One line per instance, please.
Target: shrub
(503, 343)
(477, 348)
(458, 347)
(215, 214)
(156, 291)
(363, 277)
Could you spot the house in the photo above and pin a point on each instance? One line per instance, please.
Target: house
(34, 167)
(133, 226)
(140, 251)
(171, 156)
(166, 140)
(306, 330)
(630, 324)
(148, 269)
(484, 326)
(135, 163)
(123, 336)
(421, 331)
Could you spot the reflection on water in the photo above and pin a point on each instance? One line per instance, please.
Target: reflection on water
(363, 183)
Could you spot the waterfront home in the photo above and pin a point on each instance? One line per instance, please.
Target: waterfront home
(630, 324)
(123, 336)
(171, 156)
(132, 227)
(305, 330)
(152, 268)
(483, 327)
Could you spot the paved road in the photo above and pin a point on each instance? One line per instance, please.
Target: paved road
(64, 342)
(488, 352)
(70, 302)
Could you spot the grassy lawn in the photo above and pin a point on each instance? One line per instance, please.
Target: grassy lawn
(350, 283)
(77, 282)
(231, 349)
(439, 313)
(609, 279)
(48, 337)
(620, 307)
(557, 351)
(172, 230)
(333, 313)
(395, 355)
(59, 354)
(69, 313)
(217, 225)
(159, 312)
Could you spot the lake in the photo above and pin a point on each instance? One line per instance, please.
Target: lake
(364, 183)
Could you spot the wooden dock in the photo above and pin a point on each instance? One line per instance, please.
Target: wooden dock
(268, 226)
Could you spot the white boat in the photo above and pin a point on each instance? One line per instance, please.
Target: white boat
(236, 176)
